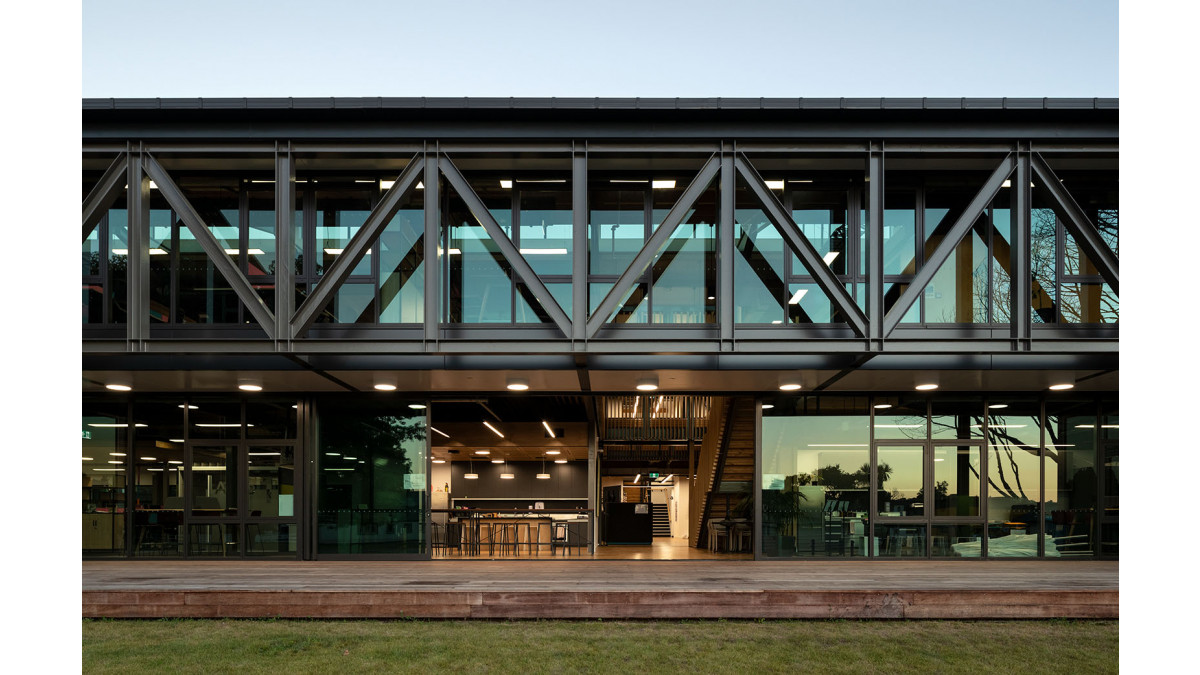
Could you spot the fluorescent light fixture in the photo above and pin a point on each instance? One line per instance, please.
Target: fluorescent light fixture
(265, 454)
(789, 386)
(420, 185)
(158, 251)
(439, 461)
(106, 425)
(838, 445)
(549, 431)
(333, 454)
(797, 296)
(1006, 184)
(494, 429)
(339, 251)
(220, 425)
(87, 459)
(108, 469)
(207, 468)
(637, 478)
(997, 406)
(383, 386)
(507, 476)
(898, 426)
(155, 459)
(348, 458)
(543, 476)
(774, 184)
(387, 184)
(777, 321)
(543, 251)
(926, 387)
(1110, 426)
(882, 406)
(118, 387)
(250, 387)
(453, 251)
(560, 461)
(417, 406)
(801, 180)
(541, 180)
(662, 184)
(768, 406)
(939, 459)
(497, 461)
(174, 461)
(553, 452)
(1061, 387)
(1001, 426)
(516, 384)
(188, 406)
(471, 476)
(155, 469)
(439, 432)
(116, 454)
(116, 461)
(506, 184)
(619, 180)
(176, 440)
(830, 257)
(669, 477)
(483, 452)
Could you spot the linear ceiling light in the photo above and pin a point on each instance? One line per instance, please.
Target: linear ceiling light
(494, 429)
(117, 386)
(1062, 387)
(774, 184)
(553, 452)
(797, 296)
(438, 431)
(543, 251)
(483, 452)
(548, 429)
(560, 461)
(662, 184)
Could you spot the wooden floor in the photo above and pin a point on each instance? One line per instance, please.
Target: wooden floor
(602, 589)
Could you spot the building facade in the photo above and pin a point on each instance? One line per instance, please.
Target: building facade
(402, 328)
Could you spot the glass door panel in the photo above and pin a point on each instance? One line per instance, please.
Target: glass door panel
(214, 481)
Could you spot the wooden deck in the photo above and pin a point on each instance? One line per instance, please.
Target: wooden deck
(602, 589)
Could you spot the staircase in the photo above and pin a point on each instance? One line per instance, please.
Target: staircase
(726, 463)
(662, 519)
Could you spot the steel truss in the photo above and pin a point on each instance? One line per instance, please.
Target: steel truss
(873, 332)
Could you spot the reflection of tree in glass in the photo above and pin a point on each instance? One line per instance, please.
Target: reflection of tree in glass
(1005, 453)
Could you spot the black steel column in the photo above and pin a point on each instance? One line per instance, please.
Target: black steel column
(725, 255)
(1021, 252)
(579, 243)
(137, 269)
(433, 262)
(285, 209)
(875, 247)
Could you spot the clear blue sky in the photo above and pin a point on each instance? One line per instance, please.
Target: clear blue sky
(612, 48)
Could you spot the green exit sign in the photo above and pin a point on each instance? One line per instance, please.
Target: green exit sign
(87, 435)
(654, 475)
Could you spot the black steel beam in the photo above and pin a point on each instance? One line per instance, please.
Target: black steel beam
(215, 252)
(1087, 237)
(579, 243)
(433, 259)
(803, 248)
(960, 229)
(725, 249)
(653, 244)
(507, 249)
(367, 235)
(137, 258)
(285, 209)
(105, 192)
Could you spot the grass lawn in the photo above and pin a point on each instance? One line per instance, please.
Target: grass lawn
(302, 646)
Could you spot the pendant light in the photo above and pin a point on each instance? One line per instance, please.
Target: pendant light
(543, 475)
(505, 475)
(472, 475)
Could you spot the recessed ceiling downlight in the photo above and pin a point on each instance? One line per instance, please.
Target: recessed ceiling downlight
(926, 387)
(517, 384)
(789, 386)
(1061, 387)
(384, 386)
(882, 406)
(118, 387)
(647, 384)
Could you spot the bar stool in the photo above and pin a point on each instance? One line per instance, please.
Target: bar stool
(548, 525)
(518, 528)
(504, 536)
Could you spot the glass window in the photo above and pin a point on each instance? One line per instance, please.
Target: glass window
(214, 480)
(105, 453)
(957, 416)
(260, 233)
(616, 229)
(956, 541)
(401, 264)
(271, 481)
(546, 239)
(899, 233)
(758, 269)
(204, 295)
(901, 477)
(117, 263)
(270, 418)
(214, 419)
(1000, 299)
(1014, 477)
(213, 539)
(900, 540)
(821, 216)
(956, 478)
(1072, 484)
(341, 210)
(901, 417)
(815, 477)
(371, 489)
(158, 463)
(161, 248)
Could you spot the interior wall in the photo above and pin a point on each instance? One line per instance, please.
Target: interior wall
(679, 510)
